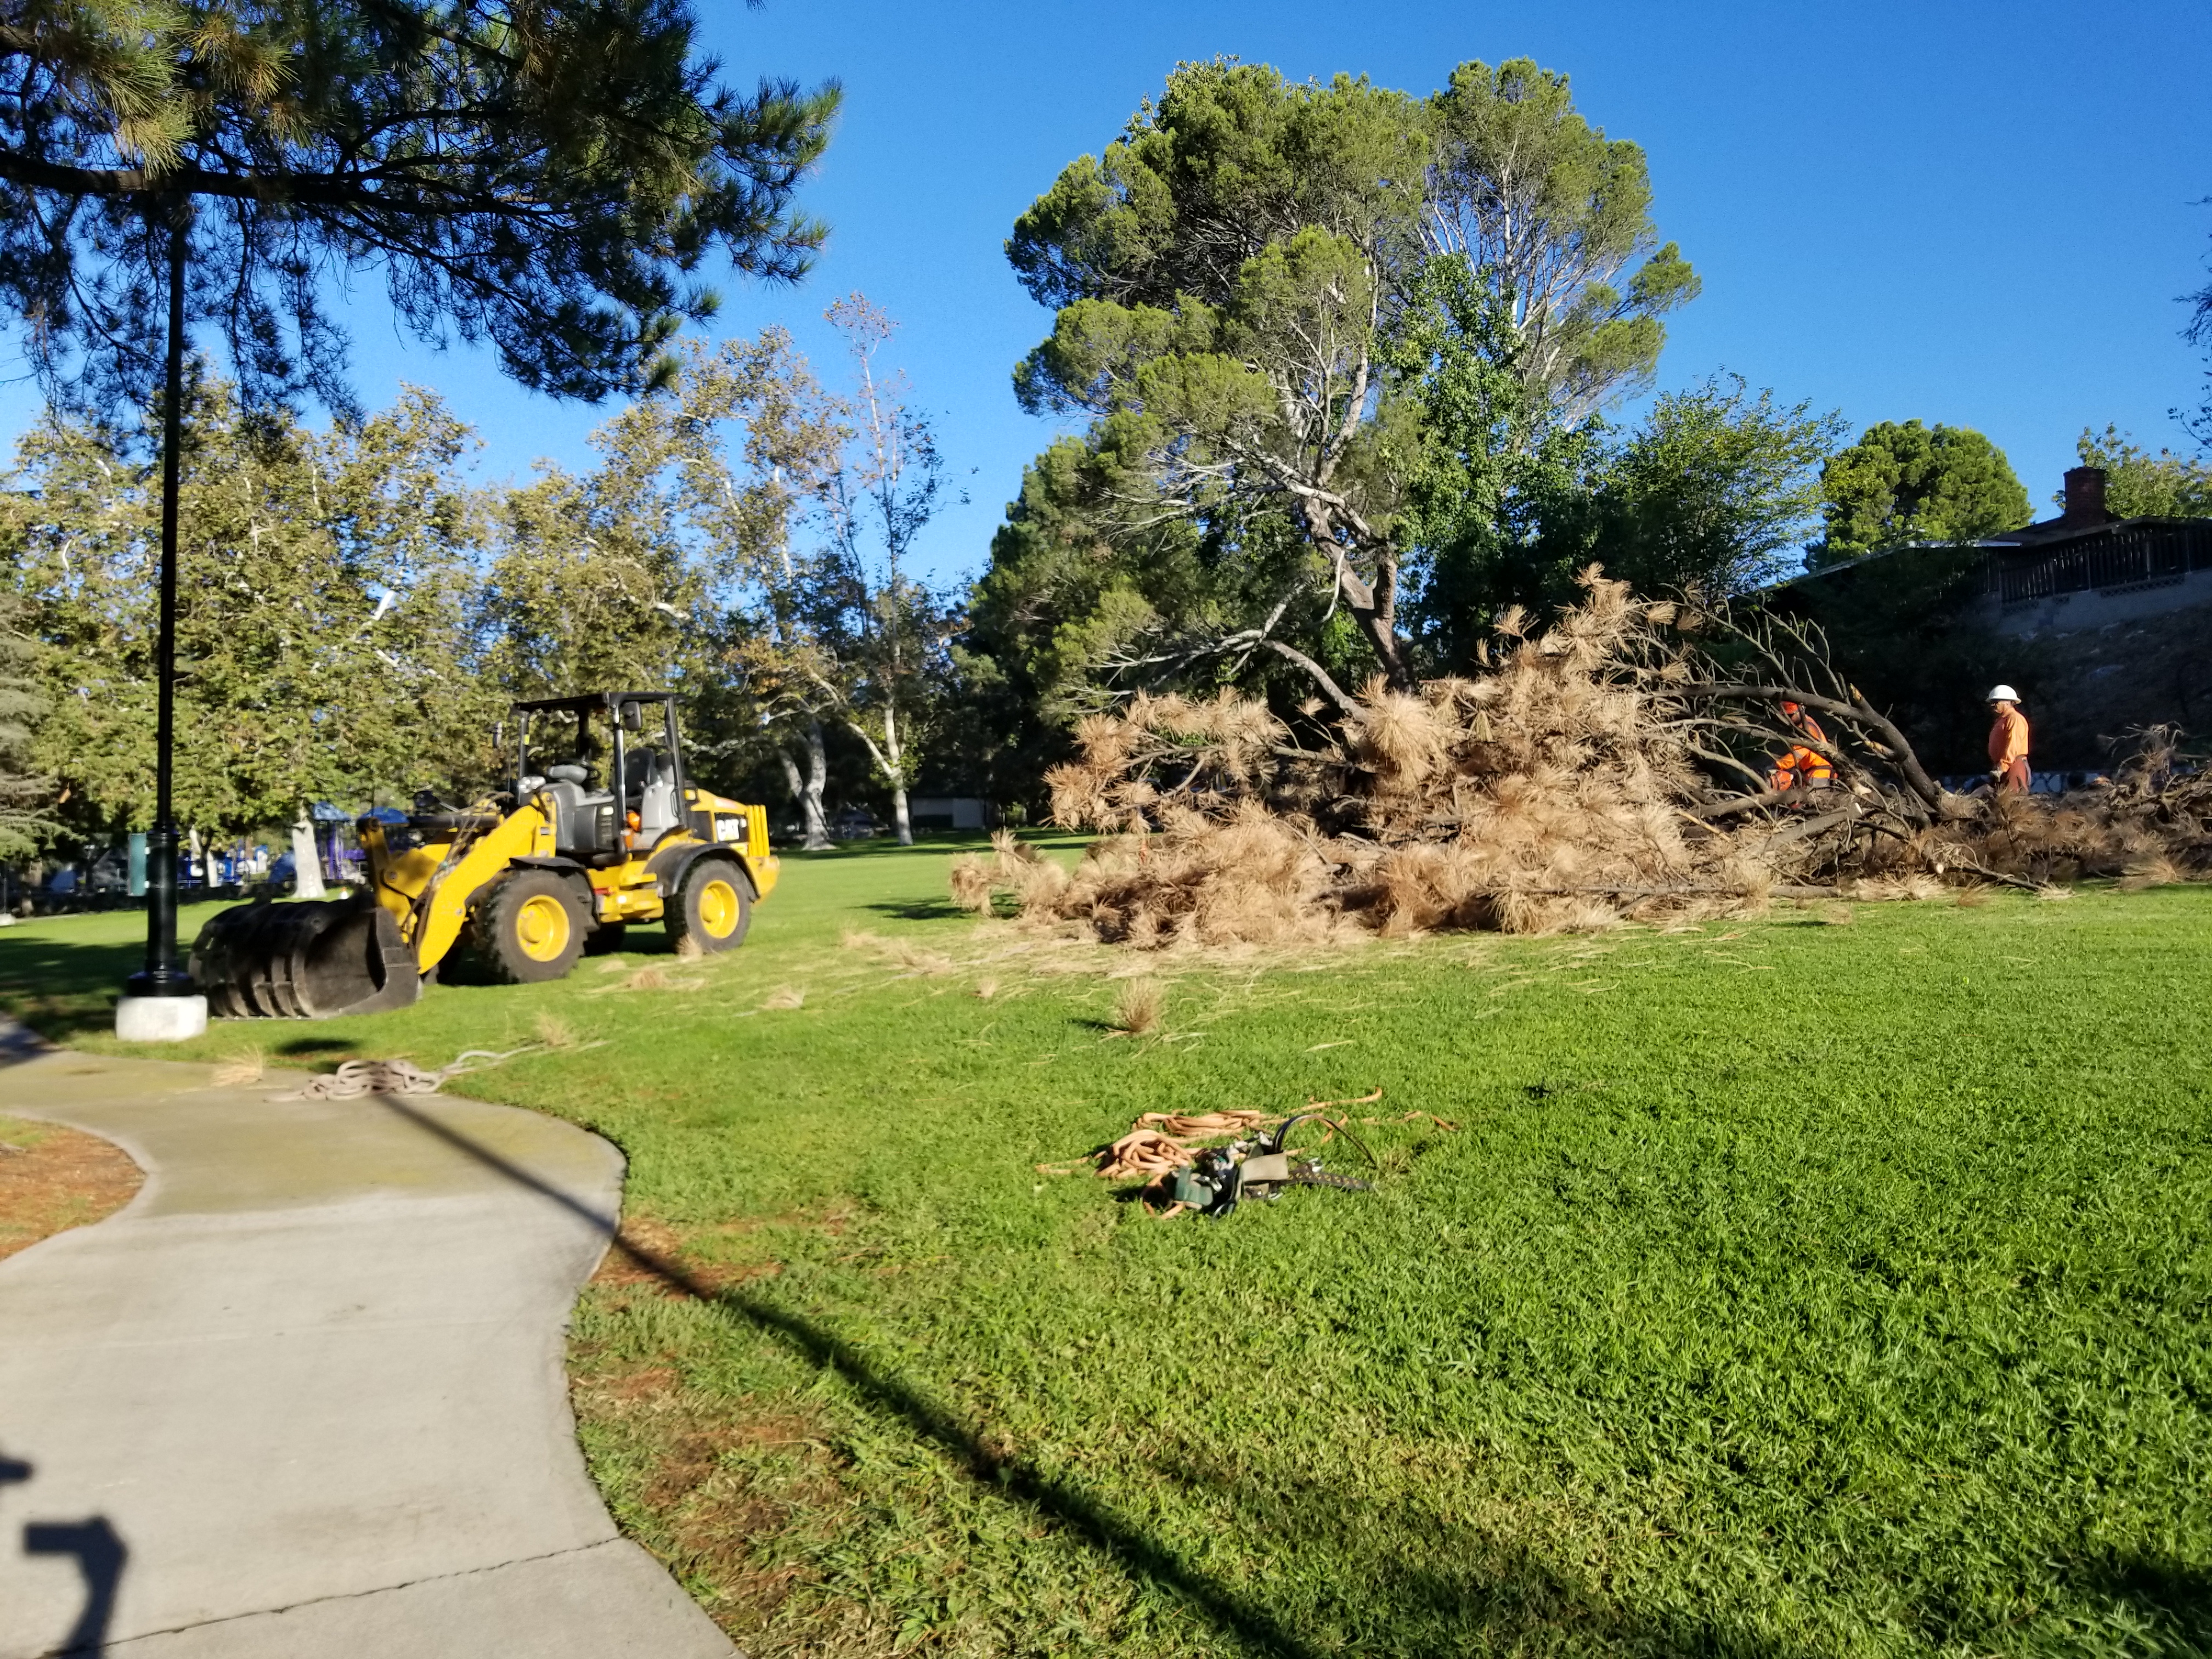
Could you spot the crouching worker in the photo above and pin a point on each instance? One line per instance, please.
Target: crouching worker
(1802, 767)
(2008, 741)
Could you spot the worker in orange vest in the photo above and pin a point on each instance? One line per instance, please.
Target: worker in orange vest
(2008, 741)
(1802, 768)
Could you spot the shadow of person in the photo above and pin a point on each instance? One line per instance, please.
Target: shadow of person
(100, 1556)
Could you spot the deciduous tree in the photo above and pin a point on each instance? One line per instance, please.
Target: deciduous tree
(2139, 485)
(799, 508)
(325, 627)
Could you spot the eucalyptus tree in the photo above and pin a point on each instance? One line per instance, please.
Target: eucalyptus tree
(1557, 218)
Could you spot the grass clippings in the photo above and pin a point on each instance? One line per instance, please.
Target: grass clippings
(555, 1032)
(784, 998)
(240, 1071)
(653, 977)
(1139, 1009)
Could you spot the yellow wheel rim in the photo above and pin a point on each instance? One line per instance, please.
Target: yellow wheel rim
(541, 928)
(718, 908)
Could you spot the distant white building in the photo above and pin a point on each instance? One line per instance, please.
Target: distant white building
(947, 811)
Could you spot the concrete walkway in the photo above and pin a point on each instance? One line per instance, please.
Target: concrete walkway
(304, 1397)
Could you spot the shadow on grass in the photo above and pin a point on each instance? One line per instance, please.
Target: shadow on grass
(314, 1047)
(62, 987)
(1467, 1593)
(922, 909)
(2175, 1599)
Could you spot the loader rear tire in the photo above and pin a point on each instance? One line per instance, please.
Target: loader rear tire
(527, 929)
(713, 907)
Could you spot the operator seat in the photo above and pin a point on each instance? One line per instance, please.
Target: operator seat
(576, 832)
(654, 794)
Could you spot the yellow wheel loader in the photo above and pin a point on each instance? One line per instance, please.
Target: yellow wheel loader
(600, 831)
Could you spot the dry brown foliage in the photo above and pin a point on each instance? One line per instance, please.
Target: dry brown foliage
(1609, 768)
(555, 1032)
(1138, 1010)
(241, 1070)
(1544, 797)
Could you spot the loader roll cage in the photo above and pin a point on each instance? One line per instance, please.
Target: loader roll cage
(634, 782)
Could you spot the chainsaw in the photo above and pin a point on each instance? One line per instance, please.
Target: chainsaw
(1219, 1178)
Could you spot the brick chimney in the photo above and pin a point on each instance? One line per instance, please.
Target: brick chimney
(2085, 497)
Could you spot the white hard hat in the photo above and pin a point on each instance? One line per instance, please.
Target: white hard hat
(2003, 693)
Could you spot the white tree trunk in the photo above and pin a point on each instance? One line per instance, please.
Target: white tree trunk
(895, 752)
(806, 790)
(306, 860)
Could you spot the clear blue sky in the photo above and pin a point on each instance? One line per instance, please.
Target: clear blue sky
(1979, 214)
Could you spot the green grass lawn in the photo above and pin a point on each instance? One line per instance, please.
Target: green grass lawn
(1786, 1289)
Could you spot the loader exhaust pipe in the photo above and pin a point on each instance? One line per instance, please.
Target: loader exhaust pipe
(310, 959)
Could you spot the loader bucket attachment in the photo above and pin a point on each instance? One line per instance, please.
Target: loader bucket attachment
(309, 959)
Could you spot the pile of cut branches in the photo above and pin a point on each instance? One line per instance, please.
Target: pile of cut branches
(1620, 763)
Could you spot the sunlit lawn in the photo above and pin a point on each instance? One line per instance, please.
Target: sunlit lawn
(1785, 1289)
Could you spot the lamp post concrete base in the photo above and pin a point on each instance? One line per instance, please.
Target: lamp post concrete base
(160, 1019)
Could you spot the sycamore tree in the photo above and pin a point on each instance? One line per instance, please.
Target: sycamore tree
(324, 633)
(589, 586)
(884, 633)
(733, 445)
(26, 814)
(800, 505)
(1238, 281)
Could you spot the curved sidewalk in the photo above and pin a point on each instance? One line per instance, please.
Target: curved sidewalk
(305, 1395)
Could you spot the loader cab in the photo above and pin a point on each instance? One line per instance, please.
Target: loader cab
(610, 767)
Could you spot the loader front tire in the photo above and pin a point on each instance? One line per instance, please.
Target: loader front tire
(713, 907)
(527, 929)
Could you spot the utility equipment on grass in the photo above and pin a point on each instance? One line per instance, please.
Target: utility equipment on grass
(515, 888)
(1220, 1178)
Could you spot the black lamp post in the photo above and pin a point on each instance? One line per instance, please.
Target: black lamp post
(163, 975)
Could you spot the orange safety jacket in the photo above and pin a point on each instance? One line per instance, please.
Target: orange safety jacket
(2007, 739)
(1802, 767)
